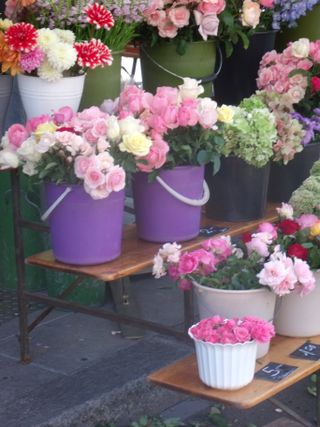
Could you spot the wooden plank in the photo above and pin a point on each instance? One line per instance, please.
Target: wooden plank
(138, 254)
(183, 376)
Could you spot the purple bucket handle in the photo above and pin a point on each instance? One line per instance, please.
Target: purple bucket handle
(186, 200)
(55, 204)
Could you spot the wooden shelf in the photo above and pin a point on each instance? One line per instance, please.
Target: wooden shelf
(138, 254)
(183, 376)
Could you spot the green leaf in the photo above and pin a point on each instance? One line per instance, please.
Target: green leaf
(203, 157)
(219, 140)
(182, 47)
(299, 71)
(216, 164)
(228, 48)
(245, 39)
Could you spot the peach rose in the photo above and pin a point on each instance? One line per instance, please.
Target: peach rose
(179, 16)
(211, 6)
(167, 28)
(251, 12)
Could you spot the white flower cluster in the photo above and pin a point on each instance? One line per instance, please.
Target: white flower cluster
(60, 54)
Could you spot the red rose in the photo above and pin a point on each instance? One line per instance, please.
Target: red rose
(246, 237)
(315, 83)
(298, 251)
(288, 226)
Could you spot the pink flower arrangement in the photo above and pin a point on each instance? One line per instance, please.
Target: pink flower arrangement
(220, 330)
(170, 116)
(74, 148)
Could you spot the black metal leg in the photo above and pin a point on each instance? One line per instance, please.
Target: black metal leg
(124, 304)
(19, 253)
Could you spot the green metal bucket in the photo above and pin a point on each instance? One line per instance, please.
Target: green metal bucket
(163, 66)
(308, 26)
(102, 83)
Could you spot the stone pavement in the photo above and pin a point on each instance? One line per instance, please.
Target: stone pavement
(84, 373)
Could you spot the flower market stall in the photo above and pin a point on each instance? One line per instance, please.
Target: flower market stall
(196, 163)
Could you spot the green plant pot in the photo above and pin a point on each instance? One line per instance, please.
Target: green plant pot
(102, 83)
(159, 63)
(308, 26)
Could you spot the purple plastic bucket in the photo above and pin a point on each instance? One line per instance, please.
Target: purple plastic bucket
(85, 231)
(160, 217)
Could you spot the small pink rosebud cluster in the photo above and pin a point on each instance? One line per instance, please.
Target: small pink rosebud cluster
(220, 330)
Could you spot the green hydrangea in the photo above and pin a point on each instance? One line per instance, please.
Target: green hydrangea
(252, 133)
(306, 199)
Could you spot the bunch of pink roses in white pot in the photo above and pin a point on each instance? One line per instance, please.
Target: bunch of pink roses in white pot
(74, 148)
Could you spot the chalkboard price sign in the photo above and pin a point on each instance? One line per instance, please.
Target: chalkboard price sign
(275, 371)
(308, 350)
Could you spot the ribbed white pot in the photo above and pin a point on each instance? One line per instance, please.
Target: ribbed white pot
(299, 316)
(225, 366)
(42, 97)
(226, 303)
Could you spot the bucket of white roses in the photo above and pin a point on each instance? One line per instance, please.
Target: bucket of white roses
(226, 349)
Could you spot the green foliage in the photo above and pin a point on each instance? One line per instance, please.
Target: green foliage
(234, 274)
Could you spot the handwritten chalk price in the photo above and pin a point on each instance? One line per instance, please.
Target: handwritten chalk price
(308, 351)
(275, 371)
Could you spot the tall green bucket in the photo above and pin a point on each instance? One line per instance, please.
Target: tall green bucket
(102, 83)
(308, 26)
(161, 65)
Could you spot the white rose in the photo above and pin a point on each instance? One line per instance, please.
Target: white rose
(46, 141)
(29, 168)
(28, 150)
(190, 89)
(301, 48)
(8, 159)
(130, 125)
(102, 145)
(285, 211)
(170, 251)
(113, 128)
(158, 268)
(105, 161)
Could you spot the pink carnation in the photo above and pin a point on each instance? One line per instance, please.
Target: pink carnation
(307, 220)
(188, 263)
(17, 134)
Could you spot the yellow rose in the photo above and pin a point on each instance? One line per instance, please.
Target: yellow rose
(48, 127)
(225, 114)
(315, 229)
(5, 24)
(136, 143)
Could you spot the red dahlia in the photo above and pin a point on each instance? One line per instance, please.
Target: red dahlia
(99, 16)
(21, 37)
(93, 54)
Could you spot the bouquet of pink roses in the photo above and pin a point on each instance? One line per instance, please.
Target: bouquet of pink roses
(74, 148)
(182, 126)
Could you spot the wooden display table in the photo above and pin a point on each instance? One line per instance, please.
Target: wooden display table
(183, 375)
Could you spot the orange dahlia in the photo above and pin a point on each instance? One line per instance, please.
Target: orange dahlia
(9, 59)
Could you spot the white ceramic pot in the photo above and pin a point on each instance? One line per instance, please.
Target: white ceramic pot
(5, 93)
(297, 316)
(227, 303)
(42, 97)
(225, 366)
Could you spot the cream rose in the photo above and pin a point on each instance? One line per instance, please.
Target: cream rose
(225, 114)
(301, 48)
(190, 89)
(136, 143)
(251, 12)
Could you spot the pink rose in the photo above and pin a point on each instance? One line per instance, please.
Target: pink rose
(157, 123)
(265, 77)
(170, 93)
(33, 123)
(267, 227)
(82, 164)
(173, 272)
(315, 50)
(90, 137)
(187, 263)
(258, 246)
(185, 285)
(250, 16)
(94, 178)
(211, 6)
(241, 334)
(267, 3)
(167, 28)
(179, 16)
(64, 114)
(91, 113)
(307, 220)
(221, 247)
(170, 117)
(116, 179)
(99, 128)
(155, 17)
(208, 24)
(157, 155)
(188, 113)
(17, 134)
(207, 112)
(305, 277)
(159, 104)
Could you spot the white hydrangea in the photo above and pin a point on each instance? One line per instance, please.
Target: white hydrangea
(65, 36)
(62, 56)
(47, 72)
(46, 38)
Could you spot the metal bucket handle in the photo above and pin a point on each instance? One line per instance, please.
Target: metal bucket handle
(183, 199)
(55, 204)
